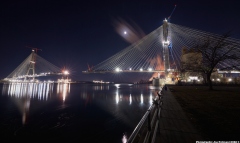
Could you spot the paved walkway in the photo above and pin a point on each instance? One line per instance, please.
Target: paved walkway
(174, 125)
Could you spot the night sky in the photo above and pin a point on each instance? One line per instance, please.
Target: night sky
(74, 33)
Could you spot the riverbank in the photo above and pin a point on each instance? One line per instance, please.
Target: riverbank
(214, 113)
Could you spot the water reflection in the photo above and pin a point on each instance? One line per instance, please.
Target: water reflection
(101, 87)
(117, 97)
(63, 89)
(141, 99)
(41, 91)
(120, 93)
(130, 99)
(150, 98)
(117, 107)
(23, 93)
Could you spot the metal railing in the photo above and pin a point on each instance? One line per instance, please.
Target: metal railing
(146, 130)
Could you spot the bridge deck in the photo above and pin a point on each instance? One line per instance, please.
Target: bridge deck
(174, 125)
(123, 71)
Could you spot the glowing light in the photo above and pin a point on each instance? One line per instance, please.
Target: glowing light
(141, 69)
(150, 69)
(124, 139)
(130, 69)
(65, 72)
(229, 79)
(32, 90)
(166, 43)
(117, 85)
(141, 99)
(130, 32)
(64, 92)
(130, 99)
(150, 99)
(117, 98)
(117, 69)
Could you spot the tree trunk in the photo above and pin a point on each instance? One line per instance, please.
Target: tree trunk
(204, 78)
(209, 81)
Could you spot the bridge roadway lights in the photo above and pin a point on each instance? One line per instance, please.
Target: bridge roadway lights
(124, 71)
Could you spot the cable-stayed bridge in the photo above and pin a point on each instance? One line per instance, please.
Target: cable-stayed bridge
(33, 66)
(160, 51)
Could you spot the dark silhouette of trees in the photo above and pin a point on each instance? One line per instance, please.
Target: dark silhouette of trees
(220, 52)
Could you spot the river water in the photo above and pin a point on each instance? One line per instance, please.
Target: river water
(37, 112)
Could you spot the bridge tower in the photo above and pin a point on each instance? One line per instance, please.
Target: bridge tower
(31, 67)
(165, 47)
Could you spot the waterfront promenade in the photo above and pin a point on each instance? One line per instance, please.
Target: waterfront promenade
(174, 125)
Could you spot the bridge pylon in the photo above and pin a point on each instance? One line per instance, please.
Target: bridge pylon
(31, 67)
(165, 47)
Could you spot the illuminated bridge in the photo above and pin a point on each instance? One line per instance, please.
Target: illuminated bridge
(161, 51)
(34, 66)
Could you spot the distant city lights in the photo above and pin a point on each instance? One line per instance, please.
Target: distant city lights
(100, 81)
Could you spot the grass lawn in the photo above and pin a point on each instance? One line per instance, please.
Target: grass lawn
(216, 114)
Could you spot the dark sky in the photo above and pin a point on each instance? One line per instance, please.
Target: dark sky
(74, 33)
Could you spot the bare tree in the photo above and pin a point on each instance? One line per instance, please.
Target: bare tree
(216, 52)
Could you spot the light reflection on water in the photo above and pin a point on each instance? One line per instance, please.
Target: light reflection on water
(63, 89)
(41, 91)
(124, 103)
(122, 97)
(26, 91)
